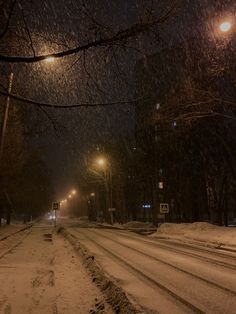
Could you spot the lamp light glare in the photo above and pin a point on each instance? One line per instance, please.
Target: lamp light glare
(101, 162)
(50, 59)
(225, 27)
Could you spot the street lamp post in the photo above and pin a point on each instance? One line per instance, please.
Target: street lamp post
(109, 180)
(5, 116)
(6, 109)
(93, 212)
(108, 184)
(3, 133)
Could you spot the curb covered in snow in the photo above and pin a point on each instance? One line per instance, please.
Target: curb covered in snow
(115, 296)
(141, 230)
(106, 226)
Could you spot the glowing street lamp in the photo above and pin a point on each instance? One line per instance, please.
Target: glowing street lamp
(73, 192)
(70, 196)
(225, 27)
(92, 194)
(101, 162)
(50, 59)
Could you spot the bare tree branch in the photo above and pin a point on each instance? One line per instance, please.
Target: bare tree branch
(49, 118)
(202, 114)
(120, 36)
(57, 106)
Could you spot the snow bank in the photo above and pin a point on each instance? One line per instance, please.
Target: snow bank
(138, 224)
(115, 295)
(131, 225)
(81, 222)
(199, 231)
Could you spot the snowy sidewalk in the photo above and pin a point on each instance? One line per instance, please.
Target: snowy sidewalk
(44, 275)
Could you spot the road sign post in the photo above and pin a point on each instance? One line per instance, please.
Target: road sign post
(164, 209)
(55, 208)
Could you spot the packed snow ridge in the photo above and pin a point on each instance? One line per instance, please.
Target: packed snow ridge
(199, 231)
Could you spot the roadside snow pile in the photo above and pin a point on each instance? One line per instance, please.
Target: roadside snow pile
(109, 226)
(131, 225)
(199, 231)
(115, 295)
(138, 225)
(81, 222)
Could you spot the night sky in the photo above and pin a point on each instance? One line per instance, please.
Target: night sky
(94, 77)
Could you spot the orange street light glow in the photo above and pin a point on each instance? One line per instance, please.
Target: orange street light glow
(101, 162)
(50, 59)
(225, 26)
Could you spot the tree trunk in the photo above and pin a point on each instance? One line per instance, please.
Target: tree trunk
(8, 218)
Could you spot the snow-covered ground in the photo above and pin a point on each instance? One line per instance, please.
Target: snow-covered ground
(131, 225)
(43, 275)
(163, 276)
(84, 222)
(9, 229)
(201, 232)
(198, 231)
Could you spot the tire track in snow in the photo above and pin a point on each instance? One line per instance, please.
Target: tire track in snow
(172, 266)
(156, 243)
(141, 274)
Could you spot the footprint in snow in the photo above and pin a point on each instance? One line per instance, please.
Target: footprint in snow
(7, 309)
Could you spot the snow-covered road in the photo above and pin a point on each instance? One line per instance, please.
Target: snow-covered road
(41, 274)
(164, 276)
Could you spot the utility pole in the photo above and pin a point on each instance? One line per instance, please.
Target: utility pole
(111, 196)
(2, 137)
(5, 117)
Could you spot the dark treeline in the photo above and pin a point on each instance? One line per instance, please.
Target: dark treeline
(183, 151)
(26, 189)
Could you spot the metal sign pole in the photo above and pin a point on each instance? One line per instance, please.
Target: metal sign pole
(55, 220)
(55, 208)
